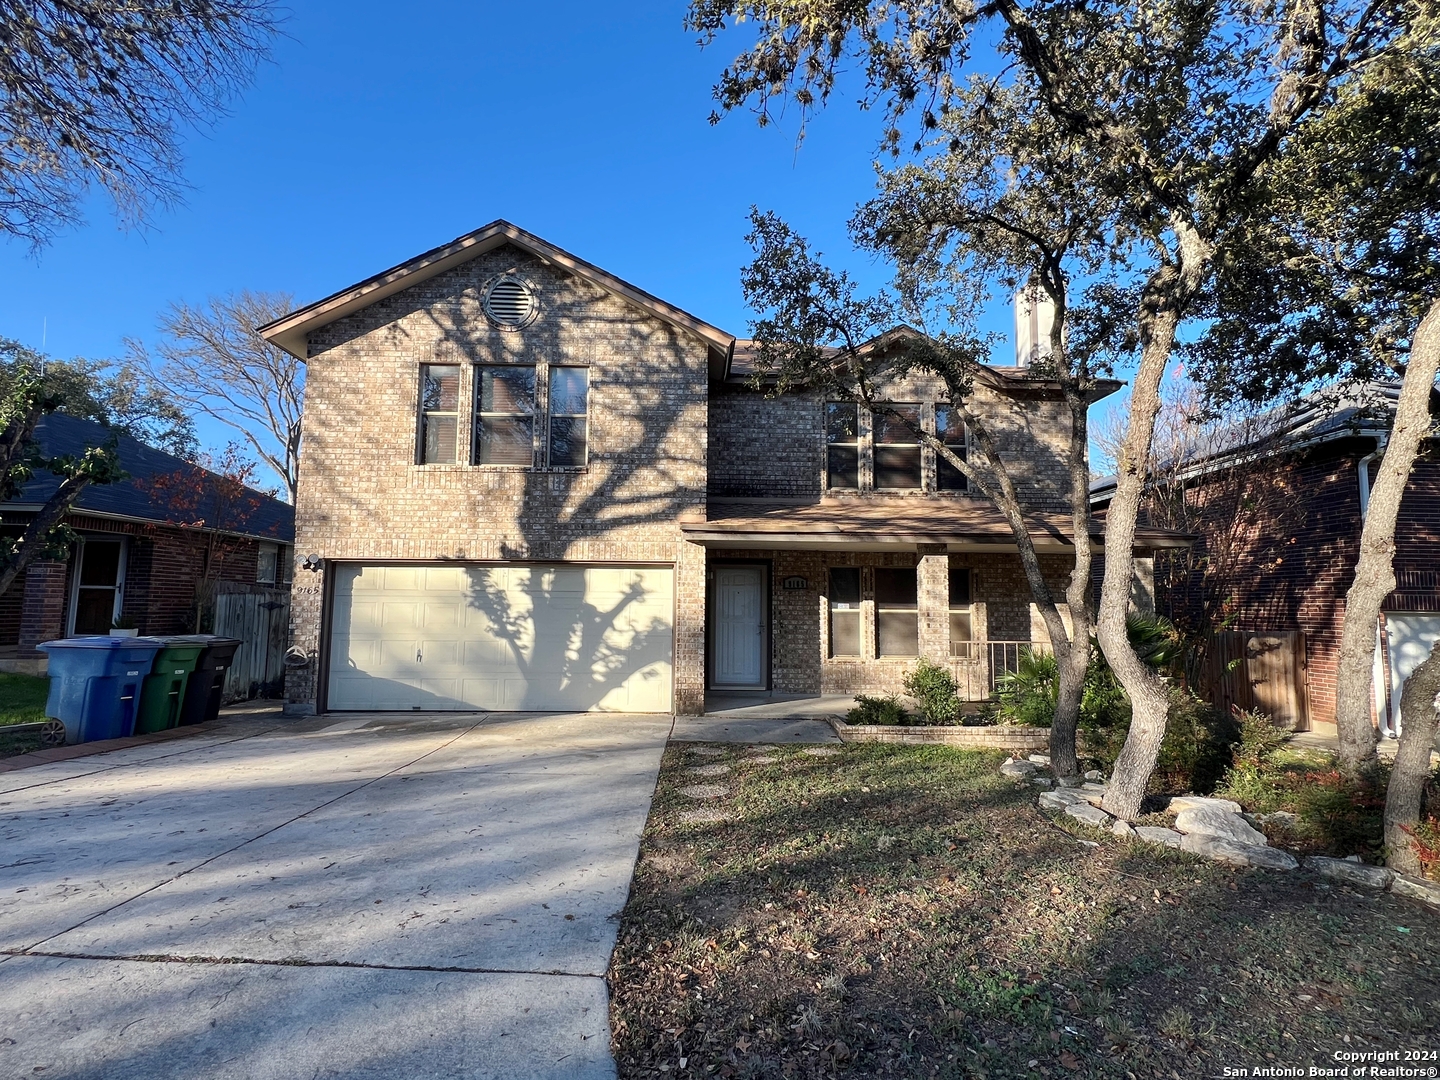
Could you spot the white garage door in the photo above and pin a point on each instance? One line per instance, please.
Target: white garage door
(1410, 637)
(569, 638)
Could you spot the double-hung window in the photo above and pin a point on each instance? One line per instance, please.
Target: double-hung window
(845, 611)
(505, 414)
(962, 630)
(842, 444)
(568, 444)
(897, 449)
(950, 430)
(897, 615)
(439, 413)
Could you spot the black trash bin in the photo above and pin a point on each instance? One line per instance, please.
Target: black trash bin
(204, 687)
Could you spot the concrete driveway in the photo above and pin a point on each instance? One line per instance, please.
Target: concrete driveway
(412, 896)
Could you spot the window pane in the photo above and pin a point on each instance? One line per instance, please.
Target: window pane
(507, 389)
(440, 387)
(895, 588)
(959, 588)
(951, 431)
(959, 632)
(949, 478)
(841, 422)
(897, 466)
(889, 429)
(440, 434)
(568, 386)
(266, 560)
(843, 466)
(101, 563)
(94, 611)
(505, 440)
(845, 586)
(897, 633)
(948, 425)
(844, 633)
(567, 442)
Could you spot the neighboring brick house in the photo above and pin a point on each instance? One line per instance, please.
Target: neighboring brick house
(136, 561)
(1287, 509)
(528, 484)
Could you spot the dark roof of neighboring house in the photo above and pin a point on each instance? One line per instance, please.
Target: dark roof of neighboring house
(132, 499)
(1355, 410)
(858, 521)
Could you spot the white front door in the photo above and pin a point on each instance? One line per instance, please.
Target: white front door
(738, 633)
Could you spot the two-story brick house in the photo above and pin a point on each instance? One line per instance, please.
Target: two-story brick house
(528, 484)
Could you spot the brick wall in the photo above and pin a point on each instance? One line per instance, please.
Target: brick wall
(362, 497)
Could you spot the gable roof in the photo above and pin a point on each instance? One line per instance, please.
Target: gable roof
(290, 331)
(134, 499)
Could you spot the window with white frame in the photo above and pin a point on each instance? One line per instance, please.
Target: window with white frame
(897, 613)
(267, 563)
(950, 430)
(897, 448)
(439, 413)
(842, 444)
(962, 626)
(569, 405)
(504, 414)
(844, 611)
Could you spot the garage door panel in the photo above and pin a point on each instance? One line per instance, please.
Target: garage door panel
(543, 638)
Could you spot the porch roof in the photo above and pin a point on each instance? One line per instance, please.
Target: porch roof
(879, 523)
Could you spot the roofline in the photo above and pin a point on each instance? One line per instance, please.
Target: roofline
(290, 332)
(110, 515)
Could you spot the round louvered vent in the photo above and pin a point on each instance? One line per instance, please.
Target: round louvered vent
(510, 304)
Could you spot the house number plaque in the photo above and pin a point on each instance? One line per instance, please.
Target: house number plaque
(796, 582)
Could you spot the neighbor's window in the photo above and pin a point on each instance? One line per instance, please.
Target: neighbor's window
(842, 445)
(505, 414)
(950, 430)
(569, 406)
(897, 618)
(439, 413)
(267, 562)
(962, 630)
(897, 450)
(845, 611)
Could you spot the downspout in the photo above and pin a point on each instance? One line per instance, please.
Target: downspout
(1377, 675)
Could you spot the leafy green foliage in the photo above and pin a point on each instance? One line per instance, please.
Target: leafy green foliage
(1027, 695)
(1334, 815)
(877, 710)
(934, 687)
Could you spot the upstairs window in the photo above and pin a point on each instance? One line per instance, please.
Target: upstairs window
(505, 414)
(842, 445)
(845, 611)
(962, 630)
(897, 615)
(439, 413)
(950, 430)
(267, 563)
(897, 450)
(568, 445)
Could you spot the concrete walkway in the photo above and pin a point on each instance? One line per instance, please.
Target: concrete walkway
(418, 895)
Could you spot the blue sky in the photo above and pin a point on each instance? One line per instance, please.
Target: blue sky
(380, 131)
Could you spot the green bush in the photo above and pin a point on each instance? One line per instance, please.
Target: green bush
(877, 710)
(934, 688)
(1027, 695)
(1259, 740)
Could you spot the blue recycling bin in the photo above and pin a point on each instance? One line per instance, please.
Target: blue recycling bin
(95, 684)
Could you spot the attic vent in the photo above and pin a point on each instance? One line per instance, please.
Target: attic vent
(510, 304)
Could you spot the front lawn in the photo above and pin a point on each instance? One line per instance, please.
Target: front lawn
(905, 911)
(22, 698)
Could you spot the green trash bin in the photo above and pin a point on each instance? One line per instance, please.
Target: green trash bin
(164, 689)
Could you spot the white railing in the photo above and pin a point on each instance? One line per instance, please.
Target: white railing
(978, 665)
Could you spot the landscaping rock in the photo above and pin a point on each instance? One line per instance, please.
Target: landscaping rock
(1123, 829)
(1041, 759)
(704, 791)
(709, 751)
(1154, 835)
(1282, 818)
(1416, 889)
(1093, 788)
(1041, 781)
(1352, 873)
(1061, 799)
(1018, 770)
(1206, 821)
(704, 817)
(1069, 781)
(1219, 849)
(709, 770)
(1094, 774)
(1090, 815)
(819, 751)
(1191, 802)
(762, 759)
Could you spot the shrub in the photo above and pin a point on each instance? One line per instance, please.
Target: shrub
(1027, 694)
(1425, 842)
(1259, 740)
(877, 710)
(934, 688)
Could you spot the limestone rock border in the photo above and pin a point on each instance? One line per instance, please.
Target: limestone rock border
(995, 736)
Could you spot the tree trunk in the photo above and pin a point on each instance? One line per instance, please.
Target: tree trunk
(1375, 568)
(1165, 296)
(1064, 759)
(36, 537)
(1412, 763)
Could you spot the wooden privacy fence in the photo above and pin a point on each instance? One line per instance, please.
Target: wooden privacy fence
(1261, 671)
(261, 620)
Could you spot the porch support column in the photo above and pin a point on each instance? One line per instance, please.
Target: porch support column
(42, 612)
(690, 629)
(933, 581)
